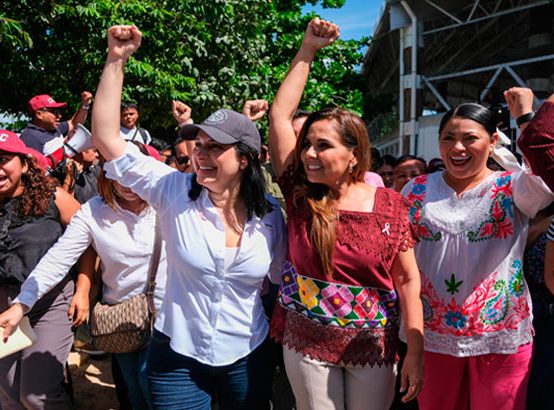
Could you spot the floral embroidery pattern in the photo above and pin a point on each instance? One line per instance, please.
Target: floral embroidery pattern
(499, 224)
(417, 196)
(493, 305)
(335, 304)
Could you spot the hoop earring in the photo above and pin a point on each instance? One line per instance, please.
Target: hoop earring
(350, 169)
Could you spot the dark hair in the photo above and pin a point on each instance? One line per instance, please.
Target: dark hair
(159, 145)
(318, 197)
(38, 189)
(252, 185)
(299, 113)
(129, 104)
(409, 157)
(388, 159)
(471, 111)
(376, 160)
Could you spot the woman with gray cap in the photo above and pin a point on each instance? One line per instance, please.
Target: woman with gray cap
(223, 236)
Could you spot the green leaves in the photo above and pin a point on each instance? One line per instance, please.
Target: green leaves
(210, 54)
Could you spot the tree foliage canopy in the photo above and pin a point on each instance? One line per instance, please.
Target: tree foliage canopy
(210, 54)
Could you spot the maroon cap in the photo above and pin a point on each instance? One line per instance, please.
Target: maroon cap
(38, 102)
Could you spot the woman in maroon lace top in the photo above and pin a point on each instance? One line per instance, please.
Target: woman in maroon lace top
(351, 266)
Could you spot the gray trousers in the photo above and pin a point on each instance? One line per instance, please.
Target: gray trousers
(33, 378)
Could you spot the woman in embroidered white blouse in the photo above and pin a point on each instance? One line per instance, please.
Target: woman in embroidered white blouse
(223, 235)
(472, 225)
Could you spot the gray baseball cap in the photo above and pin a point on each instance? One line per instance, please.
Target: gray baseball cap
(225, 127)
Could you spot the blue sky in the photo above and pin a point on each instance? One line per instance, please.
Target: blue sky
(357, 18)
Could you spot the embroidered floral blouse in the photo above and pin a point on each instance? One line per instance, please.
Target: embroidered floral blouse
(470, 251)
(352, 316)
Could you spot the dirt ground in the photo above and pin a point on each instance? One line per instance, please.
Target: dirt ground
(93, 387)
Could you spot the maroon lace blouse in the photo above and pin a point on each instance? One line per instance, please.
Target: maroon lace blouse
(352, 316)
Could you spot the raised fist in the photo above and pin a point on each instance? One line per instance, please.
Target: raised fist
(520, 101)
(123, 41)
(255, 109)
(86, 98)
(181, 112)
(320, 33)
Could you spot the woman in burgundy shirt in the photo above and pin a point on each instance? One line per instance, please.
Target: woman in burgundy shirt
(351, 266)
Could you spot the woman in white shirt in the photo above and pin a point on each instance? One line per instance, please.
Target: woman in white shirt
(223, 235)
(472, 227)
(120, 226)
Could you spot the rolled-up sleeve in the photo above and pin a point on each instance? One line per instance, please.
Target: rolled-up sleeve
(152, 180)
(537, 143)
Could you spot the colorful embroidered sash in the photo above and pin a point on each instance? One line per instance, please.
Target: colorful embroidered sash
(336, 304)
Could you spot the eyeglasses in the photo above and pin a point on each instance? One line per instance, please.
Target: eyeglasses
(54, 111)
(184, 160)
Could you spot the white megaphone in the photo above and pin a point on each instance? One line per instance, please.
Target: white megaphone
(79, 142)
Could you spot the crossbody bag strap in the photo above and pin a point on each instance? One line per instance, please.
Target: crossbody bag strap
(135, 134)
(153, 269)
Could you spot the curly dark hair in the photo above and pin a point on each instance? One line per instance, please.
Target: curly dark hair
(38, 189)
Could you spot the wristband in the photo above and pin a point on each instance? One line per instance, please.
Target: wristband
(187, 122)
(85, 107)
(524, 118)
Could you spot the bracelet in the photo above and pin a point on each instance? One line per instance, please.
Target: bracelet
(85, 107)
(524, 118)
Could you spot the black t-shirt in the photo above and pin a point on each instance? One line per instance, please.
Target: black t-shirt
(85, 184)
(24, 241)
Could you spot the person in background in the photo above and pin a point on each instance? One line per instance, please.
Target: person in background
(540, 280)
(46, 132)
(350, 248)
(130, 129)
(223, 235)
(82, 173)
(164, 150)
(435, 165)
(33, 214)
(255, 110)
(472, 226)
(386, 170)
(407, 167)
(537, 131)
(182, 148)
(120, 226)
(299, 118)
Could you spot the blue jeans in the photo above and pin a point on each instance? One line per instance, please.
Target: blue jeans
(182, 383)
(133, 368)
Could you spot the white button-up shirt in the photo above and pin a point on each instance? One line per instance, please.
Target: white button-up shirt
(124, 242)
(211, 313)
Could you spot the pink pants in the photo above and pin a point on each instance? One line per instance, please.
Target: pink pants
(492, 381)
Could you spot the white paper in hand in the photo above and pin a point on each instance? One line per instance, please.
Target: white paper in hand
(22, 337)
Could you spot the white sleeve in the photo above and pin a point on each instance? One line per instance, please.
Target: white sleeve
(155, 182)
(530, 193)
(280, 244)
(55, 264)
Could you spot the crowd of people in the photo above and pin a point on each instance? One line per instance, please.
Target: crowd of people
(370, 280)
